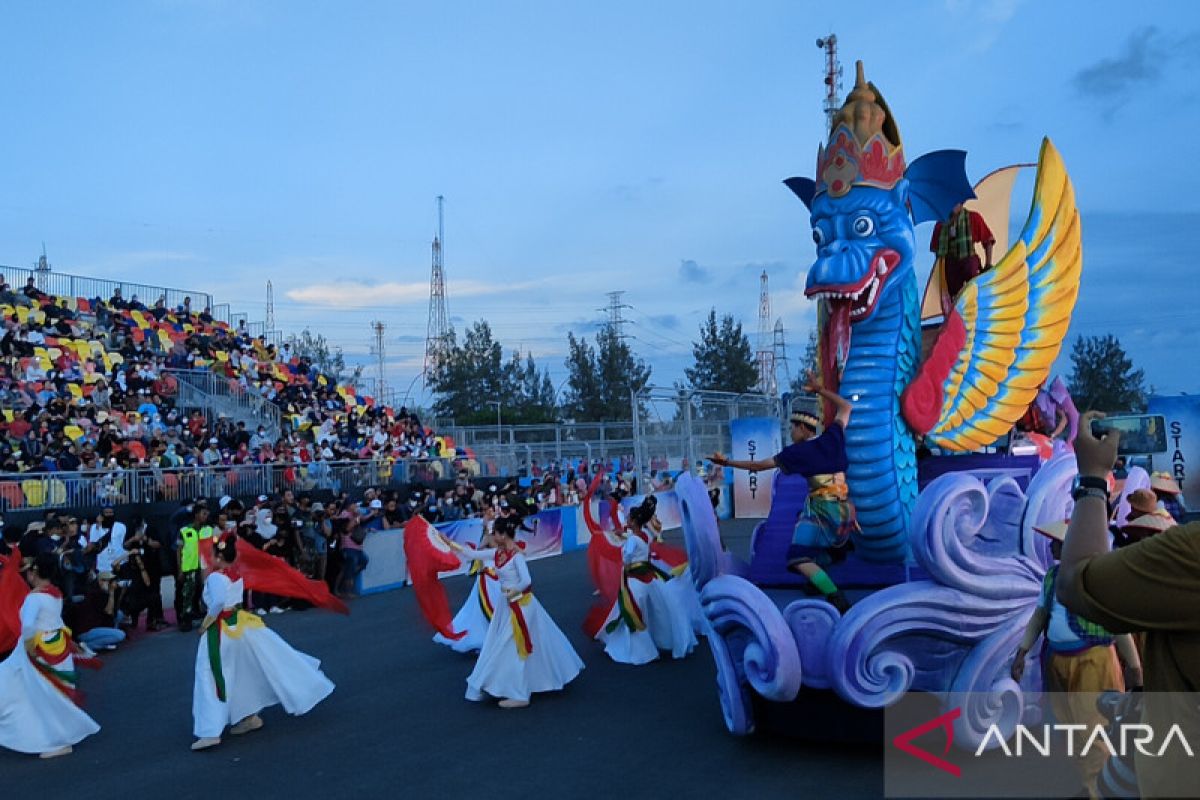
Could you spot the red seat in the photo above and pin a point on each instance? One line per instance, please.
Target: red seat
(11, 493)
(83, 305)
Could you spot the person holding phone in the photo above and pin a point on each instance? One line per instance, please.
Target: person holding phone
(1152, 586)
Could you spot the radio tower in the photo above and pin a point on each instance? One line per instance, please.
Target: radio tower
(833, 79)
(270, 308)
(437, 336)
(377, 350)
(779, 348)
(766, 350)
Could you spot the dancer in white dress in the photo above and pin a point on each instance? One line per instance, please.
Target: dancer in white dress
(647, 616)
(38, 714)
(242, 666)
(484, 598)
(524, 651)
(681, 583)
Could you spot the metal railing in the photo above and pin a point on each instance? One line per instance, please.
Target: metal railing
(62, 284)
(49, 490)
(214, 394)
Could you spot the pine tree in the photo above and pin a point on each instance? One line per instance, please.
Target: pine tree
(581, 402)
(468, 376)
(1103, 377)
(621, 374)
(723, 361)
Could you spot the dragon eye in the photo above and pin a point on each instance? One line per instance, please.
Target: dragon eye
(818, 236)
(863, 226)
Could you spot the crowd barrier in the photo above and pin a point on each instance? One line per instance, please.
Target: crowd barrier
(55, 490)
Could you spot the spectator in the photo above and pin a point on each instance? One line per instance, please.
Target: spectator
(354, 560)
(106, 542)
(1152, 586)
(93, 621)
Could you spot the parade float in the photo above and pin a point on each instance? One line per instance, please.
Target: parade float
(944, 578)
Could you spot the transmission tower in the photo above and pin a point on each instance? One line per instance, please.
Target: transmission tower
(833, 79)
(779, 348)
(377, 349)
(616, 319)
(437, 336)
(270, 308)
(766, 351)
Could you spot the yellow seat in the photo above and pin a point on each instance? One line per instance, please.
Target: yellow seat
(75, 389)
(38, 316)
(22, 314)
(35, 492)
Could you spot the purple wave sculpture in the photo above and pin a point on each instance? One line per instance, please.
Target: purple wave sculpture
(753, 647)
(955, 634)
(701, 532)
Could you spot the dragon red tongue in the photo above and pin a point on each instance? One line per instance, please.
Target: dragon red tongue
(835, 343)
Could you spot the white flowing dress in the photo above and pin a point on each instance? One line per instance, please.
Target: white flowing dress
(504, 668)
(473, 618)
(35, 716)
(664, 612)
(257, 667)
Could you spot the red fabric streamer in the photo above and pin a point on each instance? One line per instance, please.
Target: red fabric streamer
(12, 594)
(604, 562)
(263, 572)
(428, 554)
(668, 554)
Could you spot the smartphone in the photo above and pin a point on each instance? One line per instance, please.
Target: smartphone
(1141, 434)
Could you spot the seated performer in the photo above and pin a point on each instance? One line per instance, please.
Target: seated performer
(825, 525)
(38, 713)
(1082, 661)
(476, 613)
(954, 242)
(646, 616)
(242, 666)
(524, 651)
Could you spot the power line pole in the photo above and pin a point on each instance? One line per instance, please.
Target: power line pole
(614, 309)
(833, 78)
(270, 308)
(437, 335)
(377, 349)
(779, 346)
(766, 351)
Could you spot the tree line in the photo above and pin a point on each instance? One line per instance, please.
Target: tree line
(603, 373)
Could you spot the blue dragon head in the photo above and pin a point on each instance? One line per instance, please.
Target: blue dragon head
(864, 205)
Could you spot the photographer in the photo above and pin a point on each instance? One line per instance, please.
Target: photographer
(92, 621)
(144, 575)
(106, 540)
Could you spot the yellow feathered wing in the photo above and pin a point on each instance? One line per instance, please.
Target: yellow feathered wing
(1016, 317)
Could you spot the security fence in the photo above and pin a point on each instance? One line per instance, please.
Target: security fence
(50, 490)
(214, 394)
(62, 284)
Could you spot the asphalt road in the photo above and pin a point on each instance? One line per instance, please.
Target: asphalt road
(398, 725)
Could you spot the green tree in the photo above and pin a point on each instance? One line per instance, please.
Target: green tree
(582, 399)
(722, 360)
(469, 376)
(528, 395)
(329, 361)
(810, 362)
(1103, 377)
(601, 379)
(621, 373)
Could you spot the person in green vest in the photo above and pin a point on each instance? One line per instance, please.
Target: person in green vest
(192, 536)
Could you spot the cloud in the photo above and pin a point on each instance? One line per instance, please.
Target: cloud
(1114, 80)
(408, 339)
(987, 19)
(355, 294)
(669, 321)
(692, 272)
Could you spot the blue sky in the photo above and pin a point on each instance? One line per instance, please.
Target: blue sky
(582, 148)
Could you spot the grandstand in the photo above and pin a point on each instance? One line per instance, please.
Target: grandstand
(129, 393)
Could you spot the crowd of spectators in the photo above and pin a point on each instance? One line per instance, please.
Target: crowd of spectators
(88, 386)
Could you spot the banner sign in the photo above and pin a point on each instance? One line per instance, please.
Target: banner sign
(667, 511)
(754, 438)
(1182, 459)
(546, 538)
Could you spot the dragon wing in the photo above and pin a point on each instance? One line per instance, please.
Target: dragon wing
(1007, 326)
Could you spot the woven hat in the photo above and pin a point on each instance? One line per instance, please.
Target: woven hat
(805, 419)
(1143, 501)
(1151, 523)
(1164, 482)
(1056, 530)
